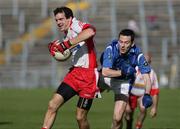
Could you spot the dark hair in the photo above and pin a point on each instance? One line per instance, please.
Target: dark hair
(67, 11)
(128, 32)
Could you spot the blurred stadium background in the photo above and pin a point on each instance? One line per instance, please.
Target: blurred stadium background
(26, 27)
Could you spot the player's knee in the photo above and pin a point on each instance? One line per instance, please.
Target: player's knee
(143, 110)
(128, 116)
(80, 117)
(52, 106)
(128, 110)
(117, 119)
(116, 122)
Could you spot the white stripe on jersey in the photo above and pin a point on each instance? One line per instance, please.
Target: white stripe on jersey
(80, 56)
(139, 56)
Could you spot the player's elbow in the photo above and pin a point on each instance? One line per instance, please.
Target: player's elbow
(92, 32)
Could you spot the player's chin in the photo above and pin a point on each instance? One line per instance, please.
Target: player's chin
(61, 29)
(123, 52)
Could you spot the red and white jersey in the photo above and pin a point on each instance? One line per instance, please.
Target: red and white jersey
(84, 54)
(139, 87)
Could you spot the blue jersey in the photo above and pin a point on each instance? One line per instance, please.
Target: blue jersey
(113, 59)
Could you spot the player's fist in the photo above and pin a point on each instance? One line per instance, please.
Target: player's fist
(64, 46)
(147, 100)
(52, 46)
(128, 70)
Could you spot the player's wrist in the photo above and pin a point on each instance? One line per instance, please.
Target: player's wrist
(66, 44)
(119, 72)
(70, 43)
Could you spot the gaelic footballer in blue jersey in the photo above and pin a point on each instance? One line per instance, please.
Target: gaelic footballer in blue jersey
(119, 60)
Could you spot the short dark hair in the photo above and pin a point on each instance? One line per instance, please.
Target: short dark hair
(128, 32)
(67, 11)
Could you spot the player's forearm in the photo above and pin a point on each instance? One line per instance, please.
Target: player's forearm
(84, 35)
(148, 88)
(110, 72)
(147, 82)
(155, 101)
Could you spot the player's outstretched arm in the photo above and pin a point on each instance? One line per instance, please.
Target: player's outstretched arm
(147, 82)
(84, 35)
(147, 99)
(107, 72)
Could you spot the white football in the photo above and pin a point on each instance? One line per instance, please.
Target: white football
(62, 56)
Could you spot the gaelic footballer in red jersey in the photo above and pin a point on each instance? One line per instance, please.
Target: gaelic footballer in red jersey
(82, 77)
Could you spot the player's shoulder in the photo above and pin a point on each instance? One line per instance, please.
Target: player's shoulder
(78, 25)
(112, 45)
(136, 50)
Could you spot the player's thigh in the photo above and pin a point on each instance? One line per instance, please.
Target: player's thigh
(119, 109)
(65, 91)
(141, 107)
(84, 103)
(139, 101)
(133, 101)
(83, 107)
(120, 86)
(120, 89)
(128, 108)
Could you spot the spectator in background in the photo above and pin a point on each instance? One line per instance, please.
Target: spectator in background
(132, 24)
(135, 98)
(152, 22)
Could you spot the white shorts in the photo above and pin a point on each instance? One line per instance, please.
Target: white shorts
(118, 86)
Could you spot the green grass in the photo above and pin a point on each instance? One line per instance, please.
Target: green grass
(25, 109)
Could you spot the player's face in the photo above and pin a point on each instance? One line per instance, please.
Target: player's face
(62, 22)
(124, 43)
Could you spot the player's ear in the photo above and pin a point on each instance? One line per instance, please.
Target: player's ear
(70, 18)
(132, 44)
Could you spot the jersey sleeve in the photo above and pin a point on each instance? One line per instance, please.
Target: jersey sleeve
(78, 26)
(155, 83)
(107, 61)
(154, 92)
(85, 26)
(143, 65)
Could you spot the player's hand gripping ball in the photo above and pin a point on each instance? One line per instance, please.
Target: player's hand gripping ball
(147, 100)
(56, 53)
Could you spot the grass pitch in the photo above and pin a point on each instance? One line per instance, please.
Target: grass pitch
(25, 109)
